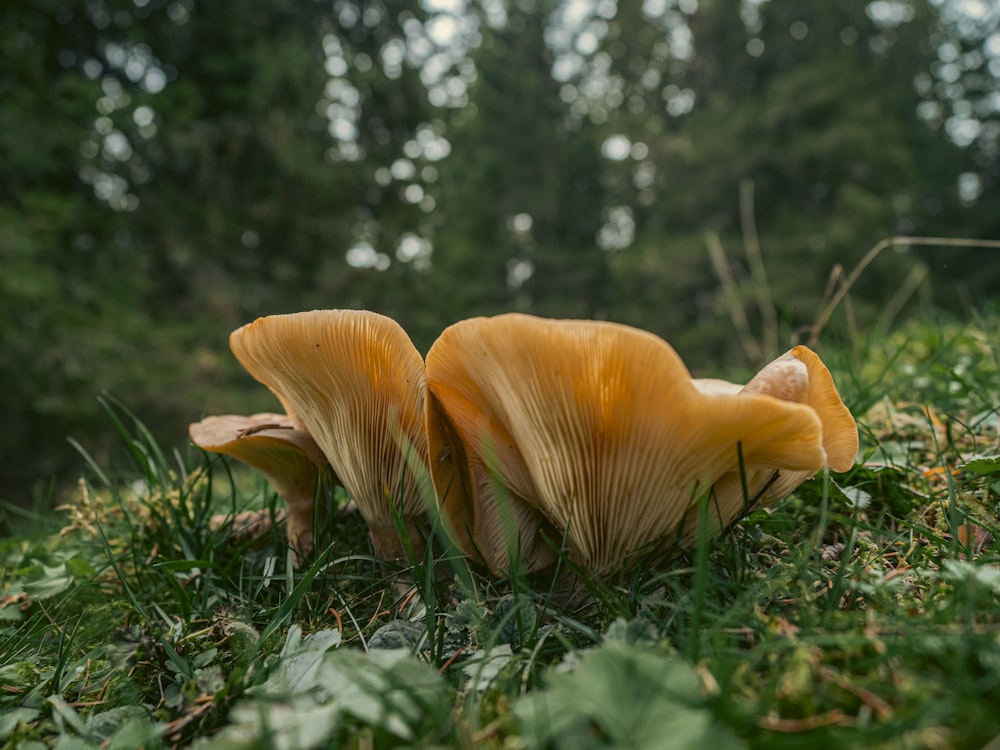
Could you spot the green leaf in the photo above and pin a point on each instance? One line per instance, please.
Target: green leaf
(10, 718)
(300, 661)
(636, 632)
(123, 726)
(484, 666)
(315, 688)
(517, 618)
(853, 497)
(70, 717)
(11, 613)
(982, 465)
(964, 572)
(398, 634)
(136, 733)
(46, 581)
(388, 690)
(79, 567)
(18, 675)
(621, 696)
(66, 742)
(204, 658)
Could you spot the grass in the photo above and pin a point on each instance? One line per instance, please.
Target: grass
(863, 611)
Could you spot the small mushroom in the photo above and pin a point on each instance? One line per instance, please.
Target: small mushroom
(356, 382)
(589, 431)
(798, 376)
(840, 431)
(286, 455)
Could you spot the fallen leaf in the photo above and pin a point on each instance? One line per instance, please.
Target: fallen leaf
(974, 538)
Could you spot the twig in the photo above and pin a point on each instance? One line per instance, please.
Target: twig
(451, 660)
(824, 316)
(717, 255)
(777, 724)
(340, 622)
(879, 706)
(910, 284)
(488, 732)
(758, 272)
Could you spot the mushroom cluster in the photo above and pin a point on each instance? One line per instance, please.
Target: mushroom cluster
(534, 433)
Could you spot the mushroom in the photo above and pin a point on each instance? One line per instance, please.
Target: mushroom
(798, 376)
(812, 384)
(356, 382)
(286, 455)
(589, 431)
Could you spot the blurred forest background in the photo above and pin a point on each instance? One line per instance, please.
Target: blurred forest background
(172, 169)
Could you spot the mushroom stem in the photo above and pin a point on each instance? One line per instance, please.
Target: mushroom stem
(406, 544)
(287, 456)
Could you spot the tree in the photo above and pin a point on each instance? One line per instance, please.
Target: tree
(66, 270)
(522, 193)
(171, 172)
(815, 107)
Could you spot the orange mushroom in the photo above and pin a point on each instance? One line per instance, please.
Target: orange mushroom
(798, 376)
(592, 431)
(357, 384)
(286, 455)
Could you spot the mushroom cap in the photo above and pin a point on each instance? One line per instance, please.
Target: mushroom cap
(272, 444)
(716, 387)
(594, 427)
(265, 441)
(797, 376)
(357, 384)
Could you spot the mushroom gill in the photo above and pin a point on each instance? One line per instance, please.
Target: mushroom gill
(593, 430)
(357, 384)
(287, 456)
